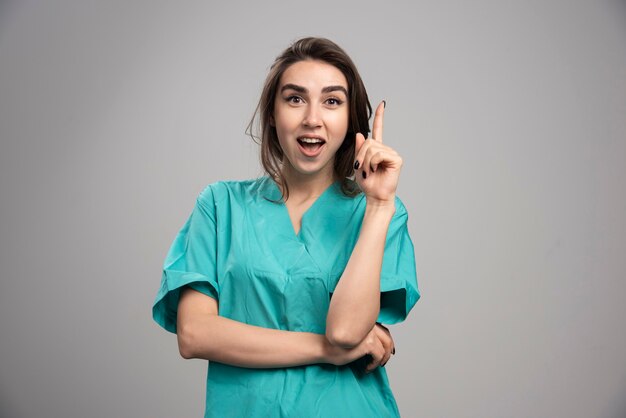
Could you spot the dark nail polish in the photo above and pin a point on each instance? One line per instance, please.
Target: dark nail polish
(393, 351)
(384, 103)
(364, 174)
(356, 164)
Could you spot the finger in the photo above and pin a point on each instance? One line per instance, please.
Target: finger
(362, 155)
(377, 355)
(385, 158)
(385, 359)
(384, 338)
(376, 159)
(390, 352)
(368, 161)
(386, 330)
(358, 142)
(387, 343)
(383, 327)
(358, 146)
(377, 128)
(381, 348)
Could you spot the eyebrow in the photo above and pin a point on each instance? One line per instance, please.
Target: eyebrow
(303, 90)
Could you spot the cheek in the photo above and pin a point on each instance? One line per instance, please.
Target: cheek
(282, 132)
(340, 124)
(279, 125)
(285, 120)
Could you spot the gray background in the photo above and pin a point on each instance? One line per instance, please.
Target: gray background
(510, 116)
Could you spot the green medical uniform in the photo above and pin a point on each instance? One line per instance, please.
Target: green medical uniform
(241, 249)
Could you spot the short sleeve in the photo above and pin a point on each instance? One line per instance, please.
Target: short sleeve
(398, 277)
(191, 261)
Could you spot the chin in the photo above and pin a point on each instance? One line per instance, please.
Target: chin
(311, 171)
(310, 168)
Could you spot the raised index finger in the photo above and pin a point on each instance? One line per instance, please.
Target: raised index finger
(377, 129)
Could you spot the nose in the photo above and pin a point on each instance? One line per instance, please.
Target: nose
(312, 117)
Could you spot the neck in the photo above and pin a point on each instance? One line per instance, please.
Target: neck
(302, 186)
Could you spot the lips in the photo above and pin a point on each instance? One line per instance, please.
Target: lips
(311, 146)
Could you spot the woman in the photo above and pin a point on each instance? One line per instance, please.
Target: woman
(281, 282)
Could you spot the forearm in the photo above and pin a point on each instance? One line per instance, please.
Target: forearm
(355, 303)
(220, 339)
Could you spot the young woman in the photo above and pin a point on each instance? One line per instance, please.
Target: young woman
(282, 282)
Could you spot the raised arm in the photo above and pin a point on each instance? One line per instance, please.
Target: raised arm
(355, 303)
(202, 333)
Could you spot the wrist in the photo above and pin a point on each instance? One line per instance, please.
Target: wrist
(378, 208)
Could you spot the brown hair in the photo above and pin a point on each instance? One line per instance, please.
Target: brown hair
(360, 110)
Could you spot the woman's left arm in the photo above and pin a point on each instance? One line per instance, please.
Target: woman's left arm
(355, 304)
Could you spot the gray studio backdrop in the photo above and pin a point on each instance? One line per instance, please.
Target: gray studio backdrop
(510, 116)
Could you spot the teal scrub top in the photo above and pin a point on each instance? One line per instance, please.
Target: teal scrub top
(241, 249)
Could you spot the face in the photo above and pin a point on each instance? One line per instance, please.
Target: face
(311, 117)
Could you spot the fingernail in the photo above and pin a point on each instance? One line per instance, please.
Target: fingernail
(393, 351)
(384, 103)
(356, 164)
(364, 174)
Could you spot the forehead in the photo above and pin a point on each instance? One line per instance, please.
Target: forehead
(313, 75)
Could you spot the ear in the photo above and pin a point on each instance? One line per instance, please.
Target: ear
(272, 121)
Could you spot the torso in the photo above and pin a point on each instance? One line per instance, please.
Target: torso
(296, 210)
(270, 277)
(296, 207)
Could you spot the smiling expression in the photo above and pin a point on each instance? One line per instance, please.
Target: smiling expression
(311, 117)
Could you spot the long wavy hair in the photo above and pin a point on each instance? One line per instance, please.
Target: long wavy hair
(360, 111)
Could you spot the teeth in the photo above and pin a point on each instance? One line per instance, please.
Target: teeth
(311, 140)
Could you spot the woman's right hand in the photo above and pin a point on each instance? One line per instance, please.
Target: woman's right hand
(377, 343)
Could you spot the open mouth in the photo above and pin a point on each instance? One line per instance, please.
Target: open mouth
(311, 146)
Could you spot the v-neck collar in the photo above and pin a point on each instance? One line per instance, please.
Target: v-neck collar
(274, 193)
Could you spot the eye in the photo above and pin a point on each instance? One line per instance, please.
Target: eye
(294, 99)
(333, 101)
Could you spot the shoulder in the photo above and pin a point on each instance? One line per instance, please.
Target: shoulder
(224, 190)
